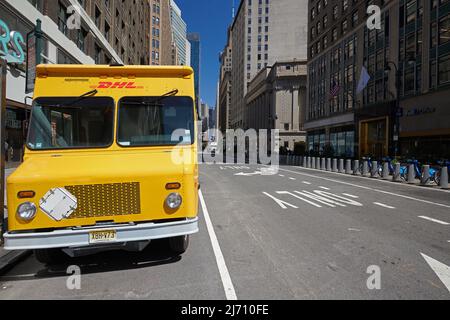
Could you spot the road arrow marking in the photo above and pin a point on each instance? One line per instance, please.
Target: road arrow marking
(249, 174)
(283, 204)
(441, 270)
(350, 195)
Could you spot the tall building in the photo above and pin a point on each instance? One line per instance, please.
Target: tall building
(161, 33)
(109, 31)
(408, 116)
(276, 99)
(194, 40)
(224, 100)
(263, 32)
(179, 34)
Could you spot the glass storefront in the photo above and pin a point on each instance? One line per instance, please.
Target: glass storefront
(340, 143)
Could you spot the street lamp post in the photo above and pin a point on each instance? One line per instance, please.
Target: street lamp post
(396, 131)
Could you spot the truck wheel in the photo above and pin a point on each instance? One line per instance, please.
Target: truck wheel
(50, 256)
(179, 245)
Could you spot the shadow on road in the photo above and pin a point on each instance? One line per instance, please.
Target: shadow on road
(157, 253)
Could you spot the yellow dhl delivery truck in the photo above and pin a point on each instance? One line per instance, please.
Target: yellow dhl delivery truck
(110, 162)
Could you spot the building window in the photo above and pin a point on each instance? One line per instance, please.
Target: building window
(444, 69)
(62, 18)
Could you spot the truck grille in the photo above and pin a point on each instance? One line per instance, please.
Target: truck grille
(100, 200)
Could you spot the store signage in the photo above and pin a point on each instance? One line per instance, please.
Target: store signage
(11, 44)
(420, 111)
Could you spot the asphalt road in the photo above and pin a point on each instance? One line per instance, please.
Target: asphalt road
(298, 234)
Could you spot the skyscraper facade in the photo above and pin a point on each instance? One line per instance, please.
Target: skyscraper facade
(261, 37)
(161, 33)
(179, 34)
(194, 40)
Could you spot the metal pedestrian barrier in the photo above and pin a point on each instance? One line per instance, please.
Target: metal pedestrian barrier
(341, 166)
(356, 168)
(396, 176)
(385, 174)
(411, 174)
(444, 178)
(425, 178)
(335, 165)
(328, 164)
(373, 171)
(348, 166)
(365, 168)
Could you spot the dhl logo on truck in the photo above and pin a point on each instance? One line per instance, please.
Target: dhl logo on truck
(116, 85)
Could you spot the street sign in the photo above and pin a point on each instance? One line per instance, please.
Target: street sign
(31, 62)
(3, 69)
(34, 51)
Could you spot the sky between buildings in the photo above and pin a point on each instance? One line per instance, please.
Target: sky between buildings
(210, 18)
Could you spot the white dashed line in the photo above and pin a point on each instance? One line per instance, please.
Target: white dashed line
(350, 195)
(281, 176)
(224, 274)
(306, 182)
(435, 220)
(324, 188)
(292, 179)
(383, 205)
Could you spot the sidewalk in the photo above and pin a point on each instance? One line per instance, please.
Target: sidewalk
(9, 258)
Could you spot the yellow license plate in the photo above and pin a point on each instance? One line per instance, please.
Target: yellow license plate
(102, 236)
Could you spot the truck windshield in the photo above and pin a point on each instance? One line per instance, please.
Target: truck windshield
(71, 123)
(150, 121)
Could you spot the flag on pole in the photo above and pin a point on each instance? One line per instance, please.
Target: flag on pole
(335, 89)
(363, 80)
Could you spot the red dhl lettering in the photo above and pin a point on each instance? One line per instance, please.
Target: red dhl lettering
(116, 85)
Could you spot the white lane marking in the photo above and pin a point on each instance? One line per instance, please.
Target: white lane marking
(382, 181)
(281, 175)
(293, 179)
(224, 274)
(319, 199)
(338, 198)
(298, 197)
(324, 188)
(441, 270)
(350, 195)
(435, 220)
(243, 174)
(383, 205)
(368, 188)
(306, 182)
(281, 203)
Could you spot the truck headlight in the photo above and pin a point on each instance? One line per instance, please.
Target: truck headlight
(27, 211)
(174, 200)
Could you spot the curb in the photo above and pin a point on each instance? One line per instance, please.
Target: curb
(11, 259)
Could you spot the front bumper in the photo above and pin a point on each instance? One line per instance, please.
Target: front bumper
(74, 238)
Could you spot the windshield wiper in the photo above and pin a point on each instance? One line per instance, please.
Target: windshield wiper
(80, 98)
(156, 101)
(83, 96)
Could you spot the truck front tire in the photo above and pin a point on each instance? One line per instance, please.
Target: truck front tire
(179, 245)
(50, 256)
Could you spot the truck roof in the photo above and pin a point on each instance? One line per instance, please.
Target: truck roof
(49, 70)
